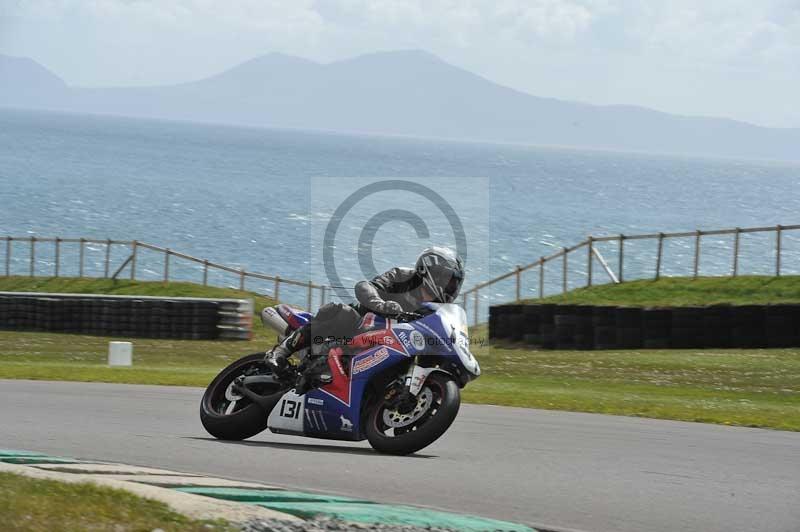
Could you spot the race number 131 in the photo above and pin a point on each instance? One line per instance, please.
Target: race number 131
(290, 409)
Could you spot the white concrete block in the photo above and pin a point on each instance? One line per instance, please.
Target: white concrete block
(120, 354)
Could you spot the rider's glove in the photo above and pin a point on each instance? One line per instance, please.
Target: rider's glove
(390, 308)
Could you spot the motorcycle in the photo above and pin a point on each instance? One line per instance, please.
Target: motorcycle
(396, 383)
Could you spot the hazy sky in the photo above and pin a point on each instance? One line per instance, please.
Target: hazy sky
(732, 58)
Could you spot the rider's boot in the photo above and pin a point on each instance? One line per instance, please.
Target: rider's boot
(278, 356)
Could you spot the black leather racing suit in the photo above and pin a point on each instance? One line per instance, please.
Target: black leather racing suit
(401, 285)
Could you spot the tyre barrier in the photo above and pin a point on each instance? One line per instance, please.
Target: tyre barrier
(128, 316)
(583, 327)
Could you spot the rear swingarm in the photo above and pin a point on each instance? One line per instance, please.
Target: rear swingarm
(266, 402)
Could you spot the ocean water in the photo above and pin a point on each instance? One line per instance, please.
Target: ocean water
(249, 198)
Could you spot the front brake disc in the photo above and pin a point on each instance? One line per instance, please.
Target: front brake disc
(396, 419)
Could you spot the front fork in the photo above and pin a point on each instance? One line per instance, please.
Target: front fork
(409, 378)
(412, 384)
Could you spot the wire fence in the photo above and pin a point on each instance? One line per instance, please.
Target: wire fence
(135, 260)
(132, 259)
(593, 267)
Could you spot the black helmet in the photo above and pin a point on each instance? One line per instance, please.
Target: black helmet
(442, 272)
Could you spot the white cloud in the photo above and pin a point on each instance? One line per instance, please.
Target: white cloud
(550, 21)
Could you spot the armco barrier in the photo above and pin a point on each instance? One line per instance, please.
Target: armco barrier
(581, 327)
(128, 316)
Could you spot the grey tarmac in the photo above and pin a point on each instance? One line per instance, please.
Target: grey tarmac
(558, 470)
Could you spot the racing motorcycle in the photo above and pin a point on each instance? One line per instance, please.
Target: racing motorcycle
(396, 383)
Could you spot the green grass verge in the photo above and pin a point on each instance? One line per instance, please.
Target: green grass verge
(684, 291)
(70, 285)
(48, 356)
(35, 505)
(759, 387)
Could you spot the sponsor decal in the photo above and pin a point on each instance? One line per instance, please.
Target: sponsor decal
(368, 321)
(315, 401)
(316, 420)
(369, 361)
(347, 425)
(403, 337)
(336, 355)
(417, 340)
(339, 389)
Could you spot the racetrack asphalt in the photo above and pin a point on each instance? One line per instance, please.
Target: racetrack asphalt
(558, 469)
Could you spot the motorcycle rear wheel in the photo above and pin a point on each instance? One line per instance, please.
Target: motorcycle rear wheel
(244, 419)
(441, 397)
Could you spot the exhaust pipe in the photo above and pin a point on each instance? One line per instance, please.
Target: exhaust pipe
(273, 320)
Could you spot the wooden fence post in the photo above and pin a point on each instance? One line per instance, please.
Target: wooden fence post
(659, 255)
(276, 291)
(58, 254)
(205, 272)
(8, 256)
(778, 231)
(621, 257)
(475, 310)
(736, 252)
(697, 253)
(589, 262)
(80, 266)
(166, 265)
(134, 246)
(541, 277)
(241, 280)
(309, 299)
(322, 296)
(518, 273)
(108, 258)
(33, 256)
(564, 272)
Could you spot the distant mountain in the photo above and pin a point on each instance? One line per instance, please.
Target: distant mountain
(26, 83)
(400, 93)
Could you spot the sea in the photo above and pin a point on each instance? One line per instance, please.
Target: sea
(263, 200)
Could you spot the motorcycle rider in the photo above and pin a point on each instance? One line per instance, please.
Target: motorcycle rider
(436, 277)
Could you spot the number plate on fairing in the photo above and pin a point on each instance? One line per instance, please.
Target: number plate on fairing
(287, 416)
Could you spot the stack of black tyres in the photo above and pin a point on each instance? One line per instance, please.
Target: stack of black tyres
(656, 328)
(629, 327)
(547, 325)
(748, 326)
(687, 327)
(571, 327)
(502, 327)
(717, 326)
(153, 318)
(604, 321)
(494, 312)
(782, 325)
(531, 328)
(566, 326)
(584, 327)
(516, 322)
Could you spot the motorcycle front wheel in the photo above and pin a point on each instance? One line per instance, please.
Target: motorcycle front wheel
(407, 431)
(227, 415)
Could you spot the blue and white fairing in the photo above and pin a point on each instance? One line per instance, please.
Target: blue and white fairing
(454, 327)
(334, 411)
